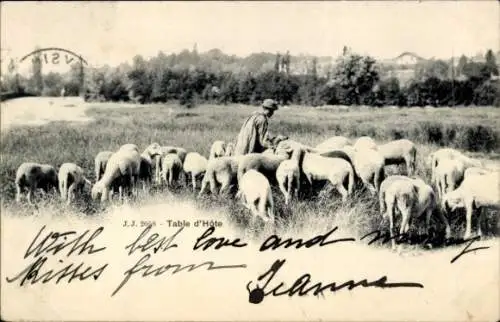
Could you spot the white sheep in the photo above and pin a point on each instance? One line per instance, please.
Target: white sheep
(449, 154)
(129, 146)
(255, 193)
(122, 170)
(400, 151)
(100, 162)
(369, 166)
(218, 149)
(288, 173)
(164, 150)
(411, 197)
(476, 192)
(171, 169)
(33, 176)
(221, 171)
(336, 170)
(146, 167)
(263, 163)
(335, 142)
(365, 142)
(195, 165)
(71, 177)
(448, 175)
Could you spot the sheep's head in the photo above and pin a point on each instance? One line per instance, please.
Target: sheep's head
(452, 201)
(97, 190)
(229, 149)
(153, 149)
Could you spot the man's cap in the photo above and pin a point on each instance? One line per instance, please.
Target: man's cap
(270, 104)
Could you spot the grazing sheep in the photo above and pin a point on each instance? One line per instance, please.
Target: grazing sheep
(146, 167)
(449, 154)
(411, 198)
(129, 146)
(33, 176)
(229, 149)
(171, 168)
(218, 149)
(365, 142)
(448, 175)
(255, 192)
(369, 166)
(335, 142)
(288, 173)
(158, 159)
(195, 165)
(265, 164)
(221, 171)
(100, 162)
(476, 192)
(400, 151)
(336, 170)
(122, 170)
(70, 178)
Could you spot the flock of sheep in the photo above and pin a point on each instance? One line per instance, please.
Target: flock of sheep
(459, 181)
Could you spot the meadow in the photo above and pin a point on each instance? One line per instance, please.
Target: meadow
(475, 131)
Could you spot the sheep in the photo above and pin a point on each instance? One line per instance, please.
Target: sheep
(35, 176)
(129, 146)
(229, 149)
(171, 168)
(365, 142)
(369, 166)
(400, 151)
(335, 142)
(254, 188)
(447, 153)
(448, 175)
(164, 150)
(100, 162)
(70, 178)
(335, 170)
(477, 191)
(411, 197)
(221, 171)
(122, 170)
(288, 172)
(146, 166)
(266, 164)
(218, 149)
(194, 165)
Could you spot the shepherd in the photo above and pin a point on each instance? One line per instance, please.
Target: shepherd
(253, 136)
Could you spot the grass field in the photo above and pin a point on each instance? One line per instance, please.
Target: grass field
(112, 125)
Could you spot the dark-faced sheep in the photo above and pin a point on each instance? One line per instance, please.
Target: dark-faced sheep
(32, 176)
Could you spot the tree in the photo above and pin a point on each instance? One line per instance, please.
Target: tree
(462, 61)
(491, 65)
(356, 75)
(36, 81)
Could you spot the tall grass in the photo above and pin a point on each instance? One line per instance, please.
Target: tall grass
(59, 142)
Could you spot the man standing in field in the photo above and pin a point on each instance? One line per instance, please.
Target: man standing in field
(253, 136)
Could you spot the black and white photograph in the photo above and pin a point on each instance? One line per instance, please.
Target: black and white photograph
(250, 160)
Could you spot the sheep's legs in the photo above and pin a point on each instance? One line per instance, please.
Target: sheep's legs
(283, 190)
(297, 188)
(18, 193)
(193, 178)
(342, 190)
(480, 221)
(71, 192)
(442, 217)
(468, 220)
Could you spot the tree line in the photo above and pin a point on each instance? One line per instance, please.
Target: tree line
(213, 77)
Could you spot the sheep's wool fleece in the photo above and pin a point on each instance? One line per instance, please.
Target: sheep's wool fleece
(253, 135)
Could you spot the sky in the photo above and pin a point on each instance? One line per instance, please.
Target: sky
(113, 32)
